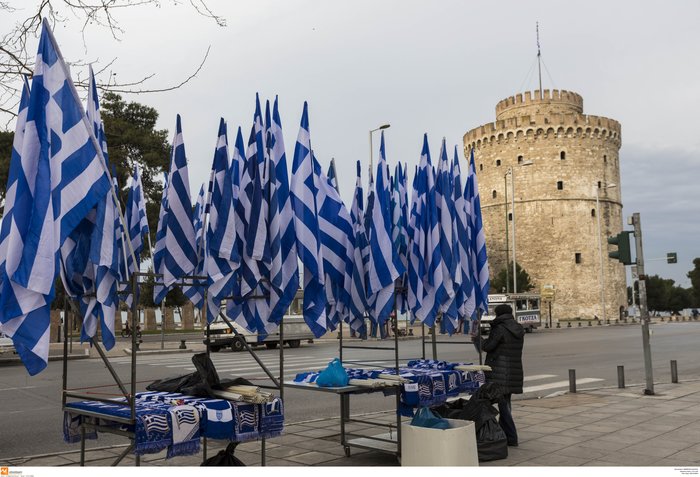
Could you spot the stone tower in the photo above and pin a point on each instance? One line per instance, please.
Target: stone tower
(560, 160)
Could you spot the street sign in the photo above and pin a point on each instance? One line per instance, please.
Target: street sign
(547, 292)
(671, 257)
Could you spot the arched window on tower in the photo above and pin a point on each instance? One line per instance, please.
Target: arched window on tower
(520, 159)
(592, 212)
(577, 257)
(562, 155)
(560, 185)
(498, 162)
(605, 158)
(493, 194)
(600, 184)
(481, 167)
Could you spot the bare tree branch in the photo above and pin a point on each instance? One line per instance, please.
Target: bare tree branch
(15, 60)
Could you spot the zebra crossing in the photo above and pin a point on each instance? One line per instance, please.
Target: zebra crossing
(243, 365)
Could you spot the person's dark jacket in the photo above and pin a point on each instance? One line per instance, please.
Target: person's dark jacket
(504, 353)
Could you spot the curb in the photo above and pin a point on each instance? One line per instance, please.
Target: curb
(51, 358)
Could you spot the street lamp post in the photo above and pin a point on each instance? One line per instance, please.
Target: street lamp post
(511, 172)
(371, 152)
(600, 250)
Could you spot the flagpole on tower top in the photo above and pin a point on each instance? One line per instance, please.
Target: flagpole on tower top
(539, 55)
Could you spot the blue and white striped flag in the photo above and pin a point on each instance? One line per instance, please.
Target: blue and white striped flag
(333, 175)
(136, 216)
(337, 247)
(195, 292)
(448, 242)
(160, 291)
(179, 251)
(104, 248)
(16, 179)
(399, 233)
(480, 262)
(426, 293)
(466, 300)
(358, 290)
(64, 177)
(284, 270)
(303, 194)
(222, 256)
(384, 264)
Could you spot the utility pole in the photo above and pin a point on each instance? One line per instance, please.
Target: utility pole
(644, 311)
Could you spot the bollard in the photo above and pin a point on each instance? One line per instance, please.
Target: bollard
(558, 325)
(621, 377)
(182, 344)
(568, 325)
(138, 343)
(589, 323)
(546, 325)
(600, 323)
(579, 324)
(674, 371)
(572, 381)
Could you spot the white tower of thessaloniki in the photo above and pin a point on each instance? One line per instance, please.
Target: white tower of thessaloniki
(561, 161)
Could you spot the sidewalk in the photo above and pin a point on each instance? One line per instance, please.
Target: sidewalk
(603, 427)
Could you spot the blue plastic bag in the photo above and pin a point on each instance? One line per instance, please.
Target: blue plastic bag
(427, 418)
(333, 376)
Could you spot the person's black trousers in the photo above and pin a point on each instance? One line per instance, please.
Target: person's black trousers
(505, 419)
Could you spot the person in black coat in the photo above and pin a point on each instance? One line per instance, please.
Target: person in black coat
(504, 354)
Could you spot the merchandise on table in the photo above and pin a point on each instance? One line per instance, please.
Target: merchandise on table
(176, 421)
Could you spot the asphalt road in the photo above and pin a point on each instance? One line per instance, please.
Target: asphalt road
(30, 407)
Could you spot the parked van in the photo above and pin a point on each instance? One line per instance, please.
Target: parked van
(526, 310)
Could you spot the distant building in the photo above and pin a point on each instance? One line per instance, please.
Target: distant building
(560, 159)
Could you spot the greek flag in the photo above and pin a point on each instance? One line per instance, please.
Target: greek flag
(426, 293)
(195, 293)
(304, 191)
(62, 177)
(160, 291)
(448, 241)
(104, 248)
(137, 222)
(465, 299)
(15, 175)
(480, 262)
(285, 268)
(399, 234)
(179, 251)
(136, 216)
(358, 289)
(384, 264)
(337, 247)
(222, 257)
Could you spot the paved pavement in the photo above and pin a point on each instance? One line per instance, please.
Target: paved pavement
(603, 427)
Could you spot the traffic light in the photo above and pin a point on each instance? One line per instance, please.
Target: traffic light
(671, 257)
(623, 252)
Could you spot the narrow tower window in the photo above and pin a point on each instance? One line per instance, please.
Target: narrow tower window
(592, 212)
(560, 185)
(562, 155)
(510, 216)
(600, 184)
(498, 162)
(520, 159)
(493, 194)
(605, 158)
(481, 167)
(578, 257)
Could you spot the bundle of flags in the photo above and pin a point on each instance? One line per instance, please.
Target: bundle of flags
(251, 229)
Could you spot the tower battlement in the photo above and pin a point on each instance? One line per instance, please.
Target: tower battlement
(539, 102)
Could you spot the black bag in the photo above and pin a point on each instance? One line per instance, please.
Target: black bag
(225, 458)
(491, 441)
(201, 383)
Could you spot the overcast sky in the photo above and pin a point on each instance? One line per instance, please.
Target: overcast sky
(435, 67)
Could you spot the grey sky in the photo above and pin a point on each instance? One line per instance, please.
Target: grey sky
(435, 67)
